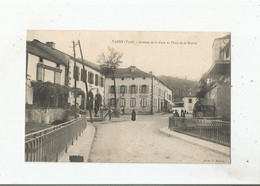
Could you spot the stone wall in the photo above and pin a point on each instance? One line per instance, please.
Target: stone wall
(44, 116)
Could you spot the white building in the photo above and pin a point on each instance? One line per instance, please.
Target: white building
(44, 63)
(137, 90)
(189, 99)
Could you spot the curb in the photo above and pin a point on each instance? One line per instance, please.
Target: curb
(225, 151)
(79, 148)
(91, 142)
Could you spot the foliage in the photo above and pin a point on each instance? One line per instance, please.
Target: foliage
(179, 85)
(47, 94)
(203, 89)
(108, 63)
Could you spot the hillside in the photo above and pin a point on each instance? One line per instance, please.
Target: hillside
(179, 85)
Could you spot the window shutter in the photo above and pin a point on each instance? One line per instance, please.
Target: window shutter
(81, 75)
(125, 89)
(140, 88)
(147, 88)
(88, 77)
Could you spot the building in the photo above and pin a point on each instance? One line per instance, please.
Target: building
(218, 78)
(51, 76)
(189, 99)
(136, 89)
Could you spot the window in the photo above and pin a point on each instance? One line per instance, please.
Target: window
(132, 102)
(122, 102)
(143, 89)
(83, 75)
(132, 89)
(40, 73)
(112, 101)
(102, 82)
(111, 89)
(76, 73)
(143, 102)
(57, 77)
(96, 80)
(122, 89)
(190, 100)
(90, 78)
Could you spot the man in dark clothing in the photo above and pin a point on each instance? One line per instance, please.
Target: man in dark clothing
(133, 118)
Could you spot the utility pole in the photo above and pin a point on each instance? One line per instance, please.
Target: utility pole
(75, 80)
(86, 84)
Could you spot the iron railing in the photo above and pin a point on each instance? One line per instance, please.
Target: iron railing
(49, 144)
(212, 130)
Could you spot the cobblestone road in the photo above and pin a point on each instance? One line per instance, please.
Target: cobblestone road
(142, 142)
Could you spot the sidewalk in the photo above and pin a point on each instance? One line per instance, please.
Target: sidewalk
(82, 146)
(196, 141)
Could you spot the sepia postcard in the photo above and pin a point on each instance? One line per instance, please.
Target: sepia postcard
(128, 97)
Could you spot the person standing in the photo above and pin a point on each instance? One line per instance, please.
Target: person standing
(109, 113)
(133, 114)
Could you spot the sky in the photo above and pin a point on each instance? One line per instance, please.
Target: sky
(176, 54)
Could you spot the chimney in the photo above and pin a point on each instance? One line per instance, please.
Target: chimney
(132, 68)
(151, 72)
(51, 44)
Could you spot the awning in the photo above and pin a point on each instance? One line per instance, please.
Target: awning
(169, 101)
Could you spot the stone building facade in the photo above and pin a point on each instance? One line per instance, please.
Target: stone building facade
(218, 77)
(137, 90)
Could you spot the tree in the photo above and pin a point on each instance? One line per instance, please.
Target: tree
(108, 64)
(203, 89)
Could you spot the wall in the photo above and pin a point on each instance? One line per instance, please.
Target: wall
(49, 74)
(127, 96)
(32, 66)
(189, 106)
(80, 84)
(221, 95)
(159, 103)
(44, 116)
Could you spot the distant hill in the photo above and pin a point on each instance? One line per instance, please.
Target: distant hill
(179, 85)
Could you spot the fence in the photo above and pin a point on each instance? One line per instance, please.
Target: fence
(212, 130)
(49, 144)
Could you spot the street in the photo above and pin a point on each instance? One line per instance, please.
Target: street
(142, 142)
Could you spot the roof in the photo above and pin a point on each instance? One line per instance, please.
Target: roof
(130, 72)
(190, 93)
(43, 50)
(204, 102)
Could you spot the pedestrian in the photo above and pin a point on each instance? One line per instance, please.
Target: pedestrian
(182, 113)
(176, 113)
(123, 111)
(133, 118)
(109, 113)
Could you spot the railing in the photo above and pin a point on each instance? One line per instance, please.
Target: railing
(212, 130)
(49, 144)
